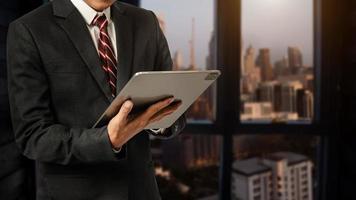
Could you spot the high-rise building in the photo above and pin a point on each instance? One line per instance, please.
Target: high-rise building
(251, 180)
(264, 62)
(211, 59)
(189, 151)
(289, 96)
(210, 93)
(257, 111)
(295, 59)
(278, 176)
(201, 109)
(204, 107)
(265, 92)
(250, 74)
(305, 104)
(249, 61)
(192, 65)
(307, 80)
(177, 60)
(277, 105)
(281, 67)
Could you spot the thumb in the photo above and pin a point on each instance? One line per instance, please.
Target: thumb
(124, 111)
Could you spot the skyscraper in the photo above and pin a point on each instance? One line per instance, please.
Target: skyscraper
(177, 60)
(289, 96)
(211, 61)
(264, 62)
(266, 92)
(281, 67)
(192, 65)
(250, 74)
(305, 104)
(249, 60)
(190, 151)
(202, 108)
(295, 59)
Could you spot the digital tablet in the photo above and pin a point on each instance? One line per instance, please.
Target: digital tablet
(146, 88)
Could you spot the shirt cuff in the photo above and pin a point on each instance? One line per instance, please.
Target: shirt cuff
(116, 150)
(158, 131)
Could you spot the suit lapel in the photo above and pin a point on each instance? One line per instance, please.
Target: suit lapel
(76, 29)
(74, 25)
(124, 38)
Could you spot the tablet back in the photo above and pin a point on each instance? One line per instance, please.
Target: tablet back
(145, 88)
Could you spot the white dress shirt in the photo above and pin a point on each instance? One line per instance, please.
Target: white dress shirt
(89, 14)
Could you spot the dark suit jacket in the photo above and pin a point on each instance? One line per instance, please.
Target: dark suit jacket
(16, 172)
(58, 90)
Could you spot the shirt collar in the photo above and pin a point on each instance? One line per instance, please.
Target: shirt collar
(88, 12)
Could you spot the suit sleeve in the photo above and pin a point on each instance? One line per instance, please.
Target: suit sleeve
(163, 62)
(37, 133)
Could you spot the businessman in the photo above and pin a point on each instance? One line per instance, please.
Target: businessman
(67, 61)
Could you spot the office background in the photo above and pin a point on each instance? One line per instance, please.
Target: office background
(279, 123)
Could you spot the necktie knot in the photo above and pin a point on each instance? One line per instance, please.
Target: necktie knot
(100, 21)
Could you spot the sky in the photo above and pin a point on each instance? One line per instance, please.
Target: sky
(275, 24)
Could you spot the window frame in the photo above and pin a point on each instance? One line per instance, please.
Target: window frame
(326, 81)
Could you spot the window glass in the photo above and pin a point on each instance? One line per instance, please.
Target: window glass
(277, 77)
(190, 32)
(187, 167)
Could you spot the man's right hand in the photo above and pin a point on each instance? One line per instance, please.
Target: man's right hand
(121, 129)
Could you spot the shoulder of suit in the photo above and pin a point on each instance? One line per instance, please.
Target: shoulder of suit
(43, 15)
(37, 16)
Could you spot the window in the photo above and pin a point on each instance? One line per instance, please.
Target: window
(277, 90)
(257, 181)
(187, 167)
(190, 32)
(268, 46)
(256, 190)
(277, 75)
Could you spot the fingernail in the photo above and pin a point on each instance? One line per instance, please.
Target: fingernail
(128, 104)
(170, 100)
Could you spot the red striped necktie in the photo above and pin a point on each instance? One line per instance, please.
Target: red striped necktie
(106, 52)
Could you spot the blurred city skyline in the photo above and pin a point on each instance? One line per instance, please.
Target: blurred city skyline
(278, 24)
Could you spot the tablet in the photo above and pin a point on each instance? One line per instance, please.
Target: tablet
(146, 88)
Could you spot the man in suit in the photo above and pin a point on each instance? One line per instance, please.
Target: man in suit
(66, 62)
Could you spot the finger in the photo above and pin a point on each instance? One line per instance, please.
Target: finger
(172, 107)
(124, 111)
(160, 116)
(153, 109)
(166, 111)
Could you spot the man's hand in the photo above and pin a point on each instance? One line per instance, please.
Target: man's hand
(121, 128)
